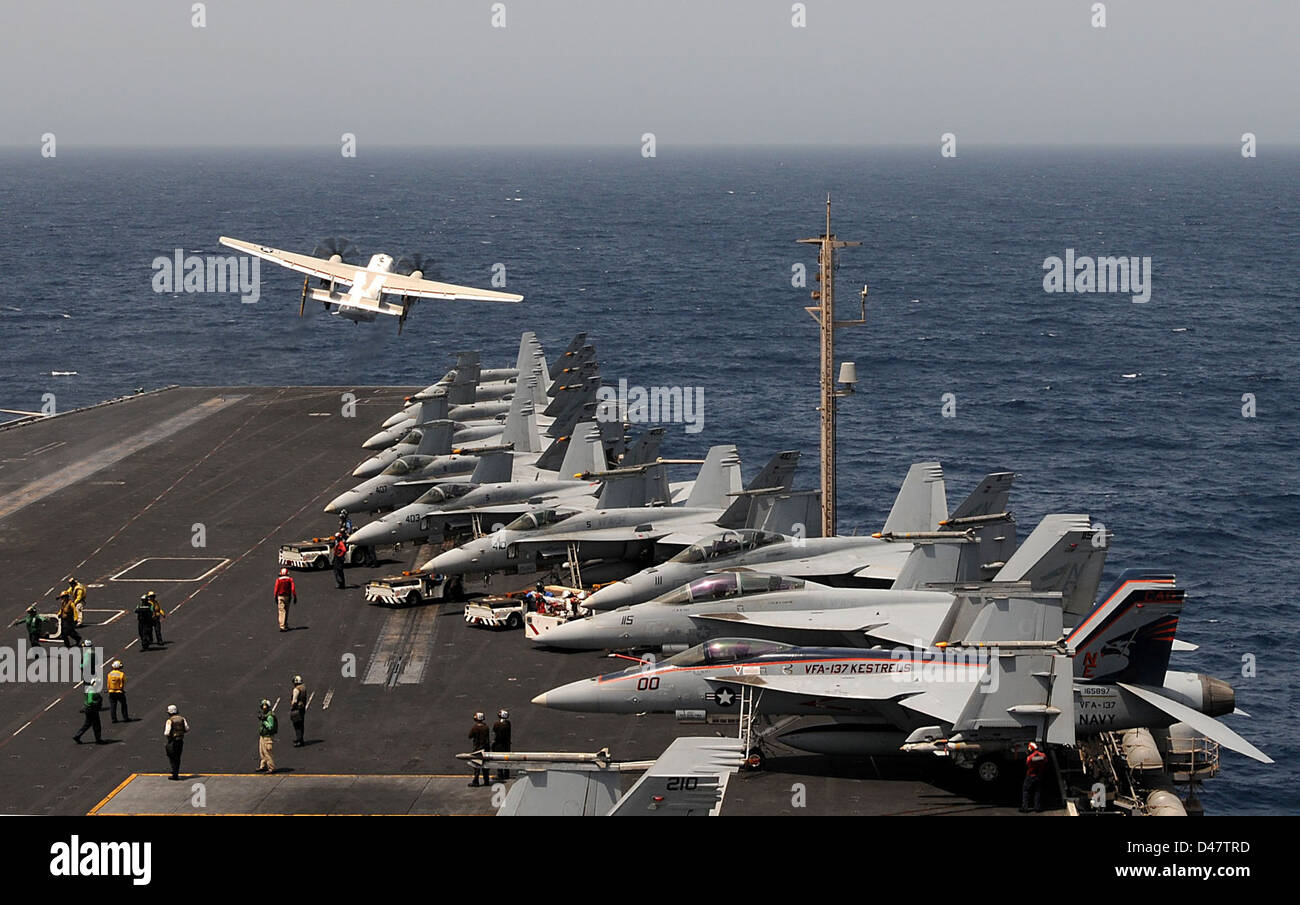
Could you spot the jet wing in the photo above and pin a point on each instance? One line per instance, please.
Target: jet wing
(912, 624)
(689, 778)
(348, 274)
(818, 686)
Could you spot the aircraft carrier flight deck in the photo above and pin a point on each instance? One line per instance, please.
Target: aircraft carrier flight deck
(189, 491)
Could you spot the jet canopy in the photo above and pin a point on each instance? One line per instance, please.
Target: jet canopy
(728, 543)
(398, 468)
(726, 650)
(540, 518)
(444, 493)
(722, 585)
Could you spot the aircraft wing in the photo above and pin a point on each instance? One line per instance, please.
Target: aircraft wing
(819, 686)
(912, 624)
(347, 274)
(689, 779)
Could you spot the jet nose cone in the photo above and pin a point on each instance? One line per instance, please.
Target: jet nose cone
(378, 441)
(452, 562)
(368, 535)
(610, 597)
(582, 696)
(368, 468)
(580, 634)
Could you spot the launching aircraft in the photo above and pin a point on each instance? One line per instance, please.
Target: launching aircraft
(369, 284)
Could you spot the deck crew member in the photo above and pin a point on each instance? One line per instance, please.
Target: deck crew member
(78, 592)
(89, 668)
(157, 614)
(144, 621)
(480, 740)
(340, 551)
(174, 731)
(1035, 765)
(94, 704)
(31, 620)
(68, 620)
(298, 710)
(117, 691)
(267, 727)
(501, 738)
(286, 593)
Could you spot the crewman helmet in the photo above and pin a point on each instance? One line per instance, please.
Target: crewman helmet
(117, 664)
(85, 643)
(266, 705)
(504, 714)
(171, 708)
(284, 571)
(151, 595)
(478, 717)
(297, 680)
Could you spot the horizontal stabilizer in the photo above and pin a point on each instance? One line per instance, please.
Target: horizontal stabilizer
(1206, 725)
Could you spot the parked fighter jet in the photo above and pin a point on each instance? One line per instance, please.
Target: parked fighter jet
(1010, 678)
(369, 284)
(860, 562)
(1055, 557)
(574, 486)
(618, 533)
(407, 478)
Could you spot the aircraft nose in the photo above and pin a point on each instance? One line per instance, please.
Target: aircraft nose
(452, 562)
(371, 534)
(350, 501)
(381, 440)
(368, 468)
(575, 635)
(582, 696)
(610, 597)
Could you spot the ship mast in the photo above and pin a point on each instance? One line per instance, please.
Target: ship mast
(824, 314)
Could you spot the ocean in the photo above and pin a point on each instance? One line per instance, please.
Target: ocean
(1172, 421)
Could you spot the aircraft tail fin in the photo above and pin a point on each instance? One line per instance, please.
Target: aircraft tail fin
(989, 498)
(645, 449)
(921, 503)
(1129, 635)
(1061, 554)
(719, 477)
(463, 388)
(493, 468)
(634, 488)
(562, 360)
(435, 438)
(776, 477)
(526, 355)
(521, 424)
(434, 408)
(585, 452)
(797, 513)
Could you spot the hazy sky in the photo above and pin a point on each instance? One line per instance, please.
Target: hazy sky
(584, 72)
